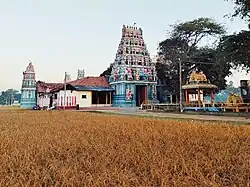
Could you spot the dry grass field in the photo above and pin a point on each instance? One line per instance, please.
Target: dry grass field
(53, 148)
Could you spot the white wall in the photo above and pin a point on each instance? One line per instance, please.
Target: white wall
(81, 101)
(78, 96)
(60, 98)
(43, 100)
(194, 97)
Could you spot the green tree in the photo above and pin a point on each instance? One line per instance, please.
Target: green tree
(235, 47)
(107, 72)
(7, 97)
(242, 9)
(184, 44)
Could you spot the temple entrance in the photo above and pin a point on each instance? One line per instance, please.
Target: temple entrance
(141, 94)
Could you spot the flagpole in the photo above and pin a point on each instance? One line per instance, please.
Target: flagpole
(64, 91)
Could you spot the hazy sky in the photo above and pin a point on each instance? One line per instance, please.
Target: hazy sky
(64, 35)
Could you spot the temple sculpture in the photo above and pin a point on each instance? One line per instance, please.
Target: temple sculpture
(133, 73)
(198, 86)
(28, 90)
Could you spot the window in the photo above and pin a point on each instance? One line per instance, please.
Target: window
(84, 96)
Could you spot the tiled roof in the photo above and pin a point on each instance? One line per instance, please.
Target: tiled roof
(93, 88)
(90, 81)
(83, 82)
(43, 87)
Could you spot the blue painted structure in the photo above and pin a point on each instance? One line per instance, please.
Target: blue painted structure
(28, 90)
(133, 75)
(202, 109)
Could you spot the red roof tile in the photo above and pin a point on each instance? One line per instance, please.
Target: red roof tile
(90, 81)
(43, 87)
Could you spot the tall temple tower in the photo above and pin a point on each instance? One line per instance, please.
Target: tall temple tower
(133, 73)
(28, 90)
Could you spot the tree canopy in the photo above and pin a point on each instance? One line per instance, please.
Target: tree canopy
(107, 72)
(185, 44)
(8, 96)
(235, 47)
(242, 9)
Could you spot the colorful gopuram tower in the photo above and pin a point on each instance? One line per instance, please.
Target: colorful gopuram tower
(133, 73)
(28, 90)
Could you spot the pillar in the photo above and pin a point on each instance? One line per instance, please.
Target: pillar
(187, 97)
(211, 98)
(106, 98)
(110, 98)
(199, 98)
(97, 98)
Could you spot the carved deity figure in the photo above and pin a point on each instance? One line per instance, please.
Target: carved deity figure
(128, 94)
(124, 50)
(153, 92)
(140, 31)
(128, 72)
(123, 30)
(234, 100)
(115, 75)
(145, 73)
(137, 75)
(197, 77)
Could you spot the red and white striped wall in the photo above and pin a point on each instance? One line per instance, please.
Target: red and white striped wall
(70, 101)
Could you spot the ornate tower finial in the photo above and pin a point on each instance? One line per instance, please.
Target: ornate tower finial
(80, 73)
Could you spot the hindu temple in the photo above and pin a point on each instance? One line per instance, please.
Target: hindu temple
(196, 88)
(133, 75)
(28, 90)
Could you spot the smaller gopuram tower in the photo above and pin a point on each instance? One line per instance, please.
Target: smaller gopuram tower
(80, 73)
(133, 74)
(28, 90)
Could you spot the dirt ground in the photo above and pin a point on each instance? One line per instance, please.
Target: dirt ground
(180, 115)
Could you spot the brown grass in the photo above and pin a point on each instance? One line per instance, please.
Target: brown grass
(41, 148)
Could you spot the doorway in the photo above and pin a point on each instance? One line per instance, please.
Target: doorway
(141, 94)
(50, 101)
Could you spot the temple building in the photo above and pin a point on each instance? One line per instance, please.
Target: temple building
(133, 75)
(28, 90)
(82, 93)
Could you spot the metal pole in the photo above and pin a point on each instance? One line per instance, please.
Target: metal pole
(180, 79)
(64, 91)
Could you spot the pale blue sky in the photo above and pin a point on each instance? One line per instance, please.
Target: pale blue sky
(64, 35)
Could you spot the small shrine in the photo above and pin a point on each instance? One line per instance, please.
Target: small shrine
(133, 75)
(196, 88)
(28, 90)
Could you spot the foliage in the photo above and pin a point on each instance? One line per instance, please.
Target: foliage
(235, 49)
(80, 149)
(184, 44)
(8, 96)
(242, 9)
(107, 72)
(194, 31)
